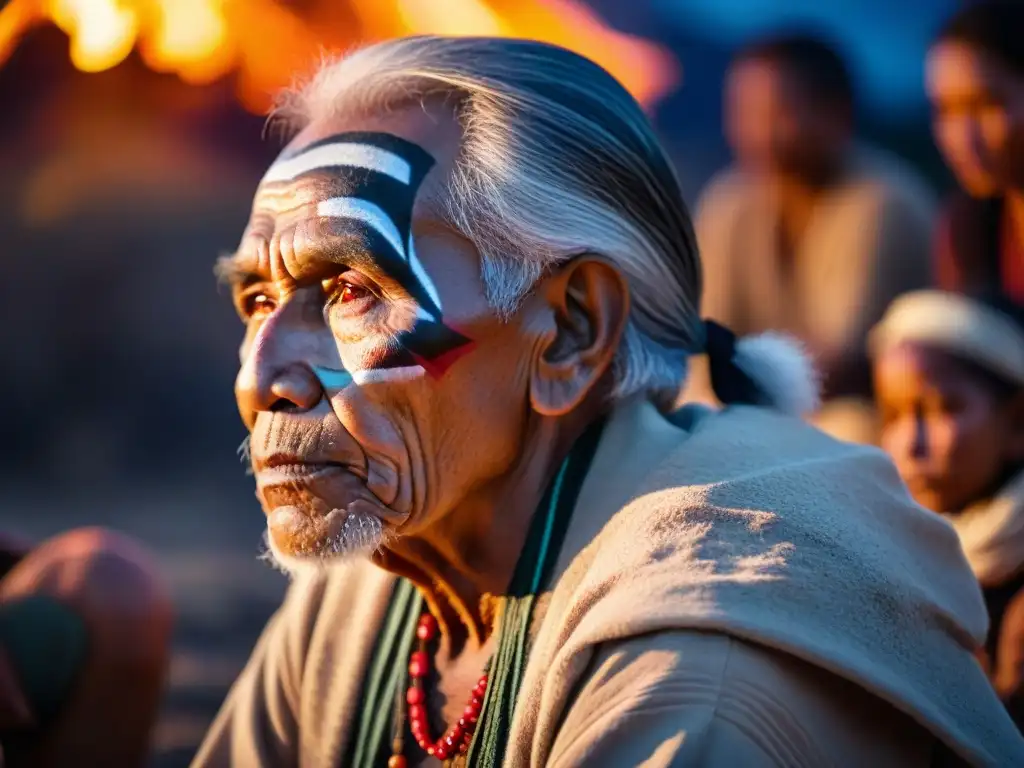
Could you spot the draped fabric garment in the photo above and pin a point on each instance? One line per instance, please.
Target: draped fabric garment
(735, 588)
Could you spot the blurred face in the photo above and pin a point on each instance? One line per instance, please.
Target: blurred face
(978, 109)
(948, 434)
(774, 127)
(378, 385)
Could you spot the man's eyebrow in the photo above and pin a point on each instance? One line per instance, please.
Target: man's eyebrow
(232, 270)
(349, 249)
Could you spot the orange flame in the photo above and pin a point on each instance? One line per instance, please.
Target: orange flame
(267, 44)
(102, 34)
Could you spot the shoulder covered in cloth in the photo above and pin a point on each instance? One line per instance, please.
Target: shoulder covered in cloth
(741, 523)
(755, 525)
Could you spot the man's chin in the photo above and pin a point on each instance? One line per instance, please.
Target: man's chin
(298, 542)
(296, 566)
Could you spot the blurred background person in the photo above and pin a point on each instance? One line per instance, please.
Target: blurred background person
(975, 80)
(810, 232)
(949, 377)
(85, 627)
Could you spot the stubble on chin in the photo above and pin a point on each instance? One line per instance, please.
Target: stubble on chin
(346, 536)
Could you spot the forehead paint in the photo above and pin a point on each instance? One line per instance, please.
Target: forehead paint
(377, 177)
(340, 154)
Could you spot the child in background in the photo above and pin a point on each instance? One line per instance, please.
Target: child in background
(949, 381)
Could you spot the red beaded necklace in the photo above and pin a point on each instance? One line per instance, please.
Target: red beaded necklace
(457, 738)
(481, 734)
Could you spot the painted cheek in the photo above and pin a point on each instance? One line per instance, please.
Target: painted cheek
(332, 379)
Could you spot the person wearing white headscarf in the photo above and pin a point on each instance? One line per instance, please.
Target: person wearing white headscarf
(949, 377)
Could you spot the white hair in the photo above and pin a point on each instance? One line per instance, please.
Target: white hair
(557, 160)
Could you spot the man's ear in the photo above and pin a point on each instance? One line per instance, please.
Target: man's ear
(588, 303)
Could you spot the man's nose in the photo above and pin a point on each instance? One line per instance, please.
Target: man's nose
(274, 376)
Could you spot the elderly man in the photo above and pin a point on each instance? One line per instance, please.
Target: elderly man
(469, 286)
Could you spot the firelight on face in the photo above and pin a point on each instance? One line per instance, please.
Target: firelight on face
(330, 241)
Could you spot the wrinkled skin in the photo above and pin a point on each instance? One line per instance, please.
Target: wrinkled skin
(978, 106)
(452, 462)
(449, 463)
(951, 437)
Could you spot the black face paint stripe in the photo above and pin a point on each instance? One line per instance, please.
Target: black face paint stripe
(412, 153)
(391, 263)
(375, 205)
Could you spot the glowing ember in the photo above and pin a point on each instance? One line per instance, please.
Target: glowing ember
(266, 43)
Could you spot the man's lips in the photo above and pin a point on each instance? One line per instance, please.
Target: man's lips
(290, 468)
(290, 474)
(273, 460)
(313, 485)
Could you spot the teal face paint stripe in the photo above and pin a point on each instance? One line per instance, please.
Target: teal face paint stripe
(332, 378)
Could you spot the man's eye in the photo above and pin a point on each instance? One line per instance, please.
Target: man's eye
(339, 291)
(256, 303)
(349, 292)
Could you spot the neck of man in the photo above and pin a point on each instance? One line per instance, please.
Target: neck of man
(464, 562)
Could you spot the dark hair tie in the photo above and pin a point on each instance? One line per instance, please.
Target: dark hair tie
(731, 384)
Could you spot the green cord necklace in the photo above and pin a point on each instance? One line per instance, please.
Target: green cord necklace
(387, 696)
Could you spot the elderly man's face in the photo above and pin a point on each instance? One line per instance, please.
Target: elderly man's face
(378, 384)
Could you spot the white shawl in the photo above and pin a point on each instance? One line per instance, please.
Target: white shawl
(992, 534)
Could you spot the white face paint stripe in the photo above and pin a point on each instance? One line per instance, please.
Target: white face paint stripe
(334, 378)
(343, 154)
(371, 158)
(375, 217)
(332, 155)
(373, 375)
(421, 274)
(368, 213)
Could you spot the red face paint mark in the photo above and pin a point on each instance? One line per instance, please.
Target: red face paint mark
(437, 367)
(375, 197)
